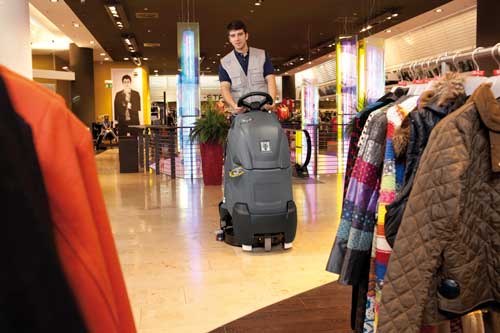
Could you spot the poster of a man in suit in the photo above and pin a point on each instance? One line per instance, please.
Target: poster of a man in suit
(127, 107)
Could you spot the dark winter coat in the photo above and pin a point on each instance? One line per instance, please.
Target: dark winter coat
(432, 109)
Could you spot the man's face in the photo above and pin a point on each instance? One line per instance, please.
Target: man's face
(127, 85)
(238, 38)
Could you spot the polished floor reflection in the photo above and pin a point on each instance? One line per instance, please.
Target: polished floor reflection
(179, 278)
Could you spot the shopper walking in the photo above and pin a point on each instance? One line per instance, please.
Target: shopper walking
(245, 69)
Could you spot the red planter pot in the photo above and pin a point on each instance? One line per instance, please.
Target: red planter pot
(212, 155)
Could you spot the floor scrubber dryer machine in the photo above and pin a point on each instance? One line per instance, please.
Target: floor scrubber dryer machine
(258, 208)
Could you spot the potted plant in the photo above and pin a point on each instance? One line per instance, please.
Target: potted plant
(211, 131)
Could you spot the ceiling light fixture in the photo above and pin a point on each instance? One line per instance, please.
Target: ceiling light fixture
(92, 42)
(388, 31)
(106, 59)
(439, 10)
(117, 15)
(395, 15)
(301, 59)
(145, 58)
(102, 54)
(218, 54)
(130, 43)
(310, 62)
(54, 0)
(65, 68)
(286, 73)
(76, 25)
(259, 2)
(126, 58)
(156, 71)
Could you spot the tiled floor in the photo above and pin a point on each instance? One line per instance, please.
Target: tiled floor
(179, 278)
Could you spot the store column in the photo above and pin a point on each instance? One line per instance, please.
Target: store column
(488, 29)
(15, 36)
(81, 62)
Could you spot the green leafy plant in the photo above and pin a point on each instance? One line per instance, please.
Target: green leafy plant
(212, 127)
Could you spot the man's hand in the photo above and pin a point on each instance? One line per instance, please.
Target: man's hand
(269, 107)
(238, 109)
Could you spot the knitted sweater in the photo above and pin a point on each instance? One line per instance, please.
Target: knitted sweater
(392, 178)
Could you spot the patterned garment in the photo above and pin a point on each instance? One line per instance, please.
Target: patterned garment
(351, 250)
(359, 122)
(392, 179)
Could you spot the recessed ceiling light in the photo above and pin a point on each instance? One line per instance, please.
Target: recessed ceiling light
(76, 25)
(218, 54)
(149, 30)
(106, 58)
(395, 15)
(389, 17)
(439, 10)
(92, 42)
(125, 58)
(103, 54)
(286, 73)
(156, 71)
(258, 2)
(388, 31)
(54, 0)
(310, 62)
(251, 11)
(301, 59)
(145, 58)
(214, 62)
(208, 68)
(64, 67)
(278, 69)
(291, 64)
(146, 9)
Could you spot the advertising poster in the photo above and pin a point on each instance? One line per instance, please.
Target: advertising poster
(127, 97)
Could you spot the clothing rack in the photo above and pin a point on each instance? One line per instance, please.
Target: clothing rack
(492, 52)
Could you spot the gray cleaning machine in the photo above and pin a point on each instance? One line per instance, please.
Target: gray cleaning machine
(258, 207)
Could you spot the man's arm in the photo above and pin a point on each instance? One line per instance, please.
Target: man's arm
(271, 86)
(271, 81)
(225, 88)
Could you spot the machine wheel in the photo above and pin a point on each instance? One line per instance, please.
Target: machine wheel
(268, 244)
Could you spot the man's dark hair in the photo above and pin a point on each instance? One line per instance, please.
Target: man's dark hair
(236, 25)
(126, 77)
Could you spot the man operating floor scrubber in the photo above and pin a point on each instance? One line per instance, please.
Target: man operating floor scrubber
(258, 206)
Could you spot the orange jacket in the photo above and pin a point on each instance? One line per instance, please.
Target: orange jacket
(82, 230)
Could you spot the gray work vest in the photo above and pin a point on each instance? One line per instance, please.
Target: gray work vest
(253, 81)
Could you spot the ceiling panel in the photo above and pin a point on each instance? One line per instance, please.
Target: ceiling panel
(285, 28)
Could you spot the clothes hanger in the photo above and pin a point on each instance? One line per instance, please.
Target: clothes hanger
(412, 86)
(455, 66)
(495, 79)
(477, 76)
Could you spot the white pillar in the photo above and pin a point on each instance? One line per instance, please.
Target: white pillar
(15, 36)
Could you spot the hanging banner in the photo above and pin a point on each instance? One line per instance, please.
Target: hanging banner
(371, 80)
(188, 94)
(347, 92)
(127, 92)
